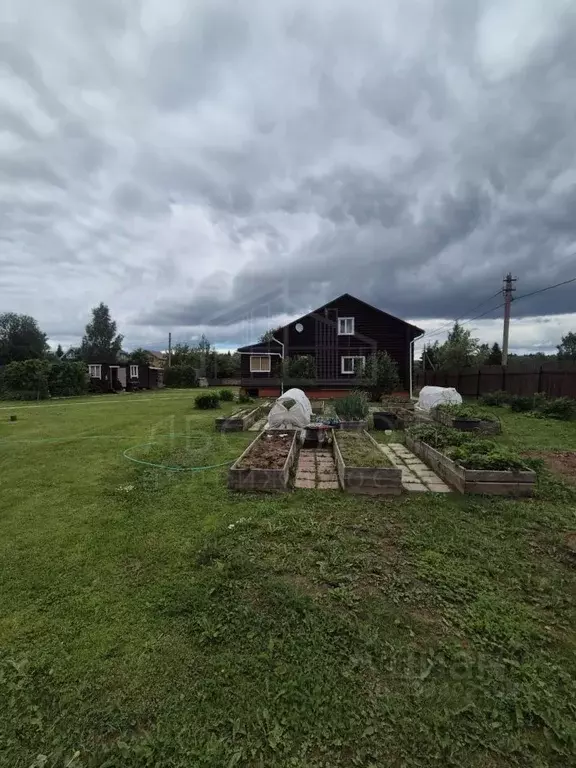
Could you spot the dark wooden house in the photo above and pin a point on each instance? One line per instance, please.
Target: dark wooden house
(336, 339)
(124, 376)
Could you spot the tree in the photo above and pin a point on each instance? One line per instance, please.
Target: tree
(140, 356)
(20, 338)
(59, 352)
(381, 374)
(100, 342)
(495, 356)
(431, 356)
(271, 334)
(567, 347)
(460, 349)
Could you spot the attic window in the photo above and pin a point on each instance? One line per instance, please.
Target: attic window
(345, 326)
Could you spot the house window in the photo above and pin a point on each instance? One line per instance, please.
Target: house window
(133, 371)
(350, 363)
(95, 371)
(345, 326)
(260, 364)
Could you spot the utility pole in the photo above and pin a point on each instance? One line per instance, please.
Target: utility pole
(169, 350)
(507, 291)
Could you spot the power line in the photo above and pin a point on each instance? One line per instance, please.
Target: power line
(457, 319)
(517, 298)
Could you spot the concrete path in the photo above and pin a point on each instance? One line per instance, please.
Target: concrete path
(416, 476)
(258, 425)
(316, 469)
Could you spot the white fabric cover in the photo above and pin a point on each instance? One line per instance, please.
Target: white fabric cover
(296, 417)
(430, 397)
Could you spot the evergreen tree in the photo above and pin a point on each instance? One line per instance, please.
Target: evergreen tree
(100, 342)
(495, 356)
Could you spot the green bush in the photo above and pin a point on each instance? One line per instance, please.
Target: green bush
(496, 398)
(180, 376)
(353, 407)
(226, 395)
(300, 368)
(66, 379)
(381, 375)
(26, 380)
(244, 398)
(562, 408)
(206, 401)
(521, 404)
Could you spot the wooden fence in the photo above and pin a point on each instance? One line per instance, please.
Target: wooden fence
(555, 379)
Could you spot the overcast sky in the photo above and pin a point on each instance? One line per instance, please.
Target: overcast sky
(221, 165)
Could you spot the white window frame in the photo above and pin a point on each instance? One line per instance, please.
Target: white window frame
(260, 370)
(98, 371)
(353, 358)
(343, 323)
(133, 371)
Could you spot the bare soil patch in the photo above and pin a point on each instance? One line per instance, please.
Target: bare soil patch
(270, 452)
(561, 463)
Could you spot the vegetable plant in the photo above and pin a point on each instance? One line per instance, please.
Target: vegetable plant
(353, 407)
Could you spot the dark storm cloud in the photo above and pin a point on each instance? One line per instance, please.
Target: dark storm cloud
(212, 166)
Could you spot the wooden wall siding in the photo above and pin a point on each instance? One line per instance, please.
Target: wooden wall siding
(319, 338)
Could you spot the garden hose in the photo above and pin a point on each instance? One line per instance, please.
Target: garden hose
(126, 453)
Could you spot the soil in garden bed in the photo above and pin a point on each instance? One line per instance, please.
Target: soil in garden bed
(270, 452)
(358, 451)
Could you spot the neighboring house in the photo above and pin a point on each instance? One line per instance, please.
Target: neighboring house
(157, 359)
(126, 375)
(339, 336)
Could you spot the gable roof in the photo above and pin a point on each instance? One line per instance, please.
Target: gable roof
(416, 331)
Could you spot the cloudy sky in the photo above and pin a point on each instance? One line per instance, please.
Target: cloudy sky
(221, 165)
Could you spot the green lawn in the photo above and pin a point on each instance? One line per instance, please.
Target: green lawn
(154, 619)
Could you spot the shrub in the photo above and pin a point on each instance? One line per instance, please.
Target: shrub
(381, 374)
(302, 367)
(13, 417)
(244, 398)
(180, 376)
(496, 398)
(67, 378)
(26, 380)
(353, 407)
(563, 408)
(521, 404)
(226, 395)
(207, 400)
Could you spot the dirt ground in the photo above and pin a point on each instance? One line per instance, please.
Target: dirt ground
(269, 453)
(562, 463)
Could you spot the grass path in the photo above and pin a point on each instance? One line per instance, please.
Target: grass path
(155, 619)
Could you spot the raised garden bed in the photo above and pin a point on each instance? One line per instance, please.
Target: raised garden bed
(362, 467)
(240, 420)
(467, 423)
(266, 464)
(488, 481)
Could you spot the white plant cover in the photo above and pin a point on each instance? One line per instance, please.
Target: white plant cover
(296, 417)
(430, 397)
